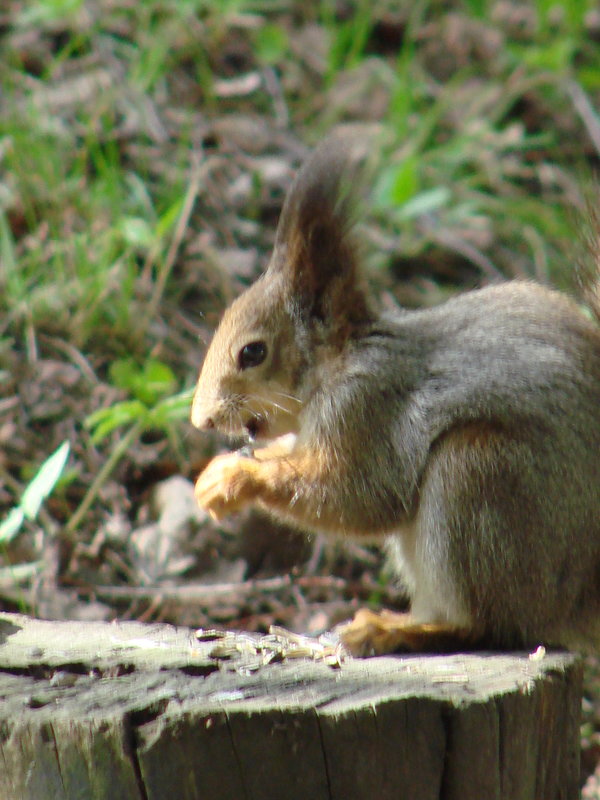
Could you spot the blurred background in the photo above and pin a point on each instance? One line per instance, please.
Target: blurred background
(145, 150)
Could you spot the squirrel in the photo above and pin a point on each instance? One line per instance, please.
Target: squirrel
(466, 436)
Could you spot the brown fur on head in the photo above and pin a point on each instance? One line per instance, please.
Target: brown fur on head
(257, 372)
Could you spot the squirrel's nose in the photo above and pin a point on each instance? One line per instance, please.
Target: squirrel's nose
(200, 419)
(203, 423)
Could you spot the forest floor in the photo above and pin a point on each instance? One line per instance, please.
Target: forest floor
(145, 149)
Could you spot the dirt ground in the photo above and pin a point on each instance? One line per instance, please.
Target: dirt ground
(211, 166)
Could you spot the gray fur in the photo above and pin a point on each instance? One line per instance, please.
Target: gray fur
(507, 541)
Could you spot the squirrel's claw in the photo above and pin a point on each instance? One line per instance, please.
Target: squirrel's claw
(371, 633)
(225, 486)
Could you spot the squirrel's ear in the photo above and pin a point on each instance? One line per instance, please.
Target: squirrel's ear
(314, 246)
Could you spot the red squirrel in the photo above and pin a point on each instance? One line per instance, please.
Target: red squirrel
(466, 435)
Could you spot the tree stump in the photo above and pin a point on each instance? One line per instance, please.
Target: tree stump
(134, 711)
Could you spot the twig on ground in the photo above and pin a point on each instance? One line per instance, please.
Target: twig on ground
(586, 112)
(199, 171)
(121, 448)
(207, 592)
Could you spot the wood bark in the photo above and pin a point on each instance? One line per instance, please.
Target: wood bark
(146, 712)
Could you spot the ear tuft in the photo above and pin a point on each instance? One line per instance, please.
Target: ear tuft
(314, 246)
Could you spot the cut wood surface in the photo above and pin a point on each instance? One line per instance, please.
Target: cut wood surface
(131, 710)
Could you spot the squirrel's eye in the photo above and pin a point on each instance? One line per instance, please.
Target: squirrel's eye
(252, 354)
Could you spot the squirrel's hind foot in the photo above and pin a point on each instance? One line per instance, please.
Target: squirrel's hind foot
(372, 634)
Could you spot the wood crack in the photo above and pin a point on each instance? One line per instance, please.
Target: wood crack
(462, 726)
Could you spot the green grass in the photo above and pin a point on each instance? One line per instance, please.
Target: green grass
(105, 207)
(101, 215)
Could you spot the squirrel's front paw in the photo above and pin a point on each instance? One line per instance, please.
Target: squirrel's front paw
(226, 485)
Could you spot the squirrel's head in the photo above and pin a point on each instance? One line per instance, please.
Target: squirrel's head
(249, 378)
(261, 365)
